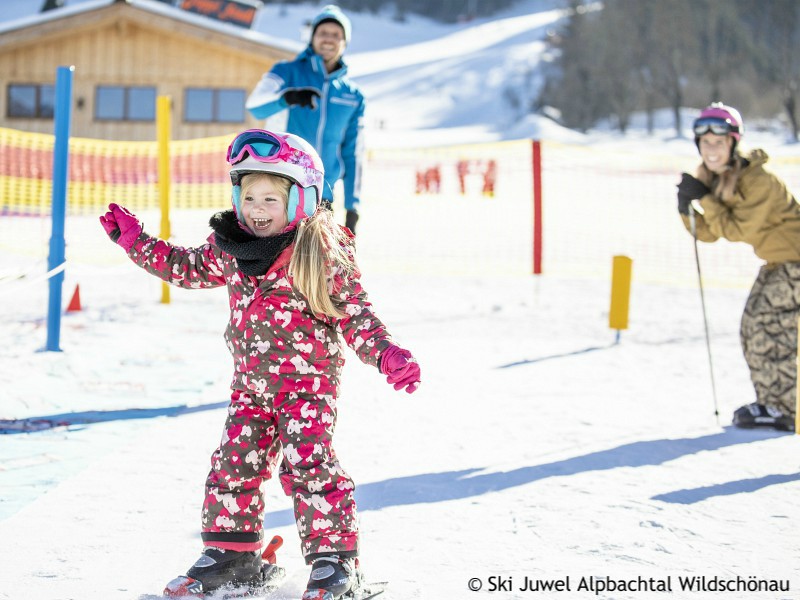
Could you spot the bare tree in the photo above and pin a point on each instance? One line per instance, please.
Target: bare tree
(575, 85)
(617, 48)
(724, 43)
(786, 40)
(674, 50)
(644, 54)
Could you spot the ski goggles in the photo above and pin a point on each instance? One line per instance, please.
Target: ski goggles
(715, 125)
(268, 148)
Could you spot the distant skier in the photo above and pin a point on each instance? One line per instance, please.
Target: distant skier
(738, 200)
(325, 106)
(295, 300)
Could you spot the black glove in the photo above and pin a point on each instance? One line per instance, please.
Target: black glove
(305, 97)
(690, 188)
(350, 220)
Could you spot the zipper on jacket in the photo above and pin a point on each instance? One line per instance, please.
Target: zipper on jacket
(323, 113)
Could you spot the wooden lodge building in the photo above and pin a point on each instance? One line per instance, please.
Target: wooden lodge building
(126, 53)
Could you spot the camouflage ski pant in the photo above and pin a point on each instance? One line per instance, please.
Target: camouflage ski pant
(769, 335)
(256, 430)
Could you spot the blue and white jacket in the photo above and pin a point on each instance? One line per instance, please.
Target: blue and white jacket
(334, 127)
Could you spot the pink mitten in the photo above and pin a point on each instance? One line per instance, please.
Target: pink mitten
(121, 226)
(401, 369)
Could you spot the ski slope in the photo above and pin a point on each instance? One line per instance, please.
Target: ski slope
(536, 446)
(539, 450)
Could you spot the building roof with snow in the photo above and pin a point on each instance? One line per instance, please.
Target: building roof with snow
(126, 53)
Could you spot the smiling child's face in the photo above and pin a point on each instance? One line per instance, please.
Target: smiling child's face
(264, 208)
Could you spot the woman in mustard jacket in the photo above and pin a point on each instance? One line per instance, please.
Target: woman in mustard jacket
(736, 198)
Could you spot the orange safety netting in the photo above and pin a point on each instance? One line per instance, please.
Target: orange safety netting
(102, 171)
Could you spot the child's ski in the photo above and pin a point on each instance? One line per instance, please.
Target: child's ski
(365, 592)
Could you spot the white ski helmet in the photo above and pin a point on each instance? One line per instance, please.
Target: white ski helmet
(284, 154)
(334, 14)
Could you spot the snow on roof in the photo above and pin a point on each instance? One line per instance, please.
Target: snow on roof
(159, 8)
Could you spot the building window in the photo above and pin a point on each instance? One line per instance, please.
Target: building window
(117, 103)
(31, 101)
(202, 105)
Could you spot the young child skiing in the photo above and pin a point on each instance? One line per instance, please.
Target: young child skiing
(295, 300)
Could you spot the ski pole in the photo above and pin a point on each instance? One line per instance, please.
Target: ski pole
(693, 226)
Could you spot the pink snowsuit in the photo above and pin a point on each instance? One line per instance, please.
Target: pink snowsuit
(287, 365)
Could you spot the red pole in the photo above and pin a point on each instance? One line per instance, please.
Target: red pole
(537, 207)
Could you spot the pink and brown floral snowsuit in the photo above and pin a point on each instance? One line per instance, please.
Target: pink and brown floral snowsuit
(287, 365)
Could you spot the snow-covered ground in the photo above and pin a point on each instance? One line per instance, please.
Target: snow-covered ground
(539, 448)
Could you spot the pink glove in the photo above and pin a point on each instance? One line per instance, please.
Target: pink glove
(121, 226)
(401, 369)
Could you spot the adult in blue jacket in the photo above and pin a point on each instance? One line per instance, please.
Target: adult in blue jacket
(325, 107)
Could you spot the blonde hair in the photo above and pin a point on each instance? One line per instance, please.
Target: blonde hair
(281, 183)
(322, 252)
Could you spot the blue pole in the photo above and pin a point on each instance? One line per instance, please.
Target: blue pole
(63, 110)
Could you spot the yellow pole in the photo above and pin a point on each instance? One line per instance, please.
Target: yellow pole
(622, 267)
(163, 125)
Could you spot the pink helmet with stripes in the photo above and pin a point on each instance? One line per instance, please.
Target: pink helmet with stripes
(284, 154)
(719, 119)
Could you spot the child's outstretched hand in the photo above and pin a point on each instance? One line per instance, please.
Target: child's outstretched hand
(401, 369)
(121, 226)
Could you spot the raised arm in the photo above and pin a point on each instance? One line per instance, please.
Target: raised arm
(192, 268)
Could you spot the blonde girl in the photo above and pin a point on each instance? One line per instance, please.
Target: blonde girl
(295, 302)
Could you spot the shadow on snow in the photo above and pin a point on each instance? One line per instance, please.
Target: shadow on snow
(742, 486)
(91, 417)
(529, 361)
(465, 483)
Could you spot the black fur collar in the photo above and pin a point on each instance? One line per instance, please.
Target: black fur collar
(253, 254)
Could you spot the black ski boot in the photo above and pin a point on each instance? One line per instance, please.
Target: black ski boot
(218, 568)
(760, 415)
(332, 577)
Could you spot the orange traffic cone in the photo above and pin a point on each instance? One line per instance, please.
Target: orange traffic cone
(75, 303)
